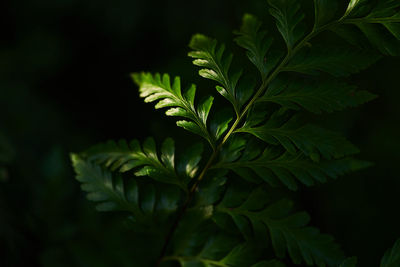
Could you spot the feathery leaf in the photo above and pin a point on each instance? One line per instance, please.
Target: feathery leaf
(114, 194)
(315, 97)
(210, 56)
(312, 140)
(287, 231)
(158, 88)
(392, 256)
(289, 20)
(379, 23)
(337, 62)
(214, 249)
(277, 168)
(255, 40)
(125, 157)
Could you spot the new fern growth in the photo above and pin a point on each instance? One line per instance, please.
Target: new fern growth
(219, 206)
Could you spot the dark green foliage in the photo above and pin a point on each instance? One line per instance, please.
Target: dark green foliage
(277, 168)
(289, 20)
(316, 96)
(392, 256)
(312, 140)
(125, 157)
(288, 232)
(337, 62)
(218, 208)
(257, 43)
(112, 193)
(218, 250)
(379, 22)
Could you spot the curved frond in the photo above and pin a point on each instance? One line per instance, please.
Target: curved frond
(112, 193)
(289, 20)
(311, 140)
(257, 43)
(315, 97)
(379, 22)
(277, 168)
(146, 160)
(210, 249)
(288, 232)
(159, 88)
(212, 57)
(392, 256)
(339, 62)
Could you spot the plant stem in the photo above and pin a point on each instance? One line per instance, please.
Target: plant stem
(234, 126)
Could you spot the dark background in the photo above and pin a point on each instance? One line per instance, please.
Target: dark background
(65, 85)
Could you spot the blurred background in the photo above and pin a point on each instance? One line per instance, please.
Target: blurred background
(65, 85)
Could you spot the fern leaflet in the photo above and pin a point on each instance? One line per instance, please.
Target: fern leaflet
(125, 157)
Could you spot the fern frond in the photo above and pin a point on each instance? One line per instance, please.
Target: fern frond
(287, 232)
(316, 96)
(257, 43)
(229, 221)
(209, 55)
(114, 194)
(312, 140)
(125, 157)
(289, 20)
(337, 62)
(276, 168)
(380, 23)
(159, 88)
(392, 256)
(211, 250)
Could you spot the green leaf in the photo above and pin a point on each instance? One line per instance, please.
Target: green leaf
(158, 88)
(356, 8)
(392, 256)
(216, 66)
(315, 97)
(145, 160)
(219, 124)
(349, 262)
(339, 62)
(385, 8)
(379, 23)
(288, 232)
(289, 20)
(312, 140)
(205, 248)
(188, 164)
(114, 194)
(387, 45)
(276, 168)
(257, 44)
(324, 11)
(211, 188)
